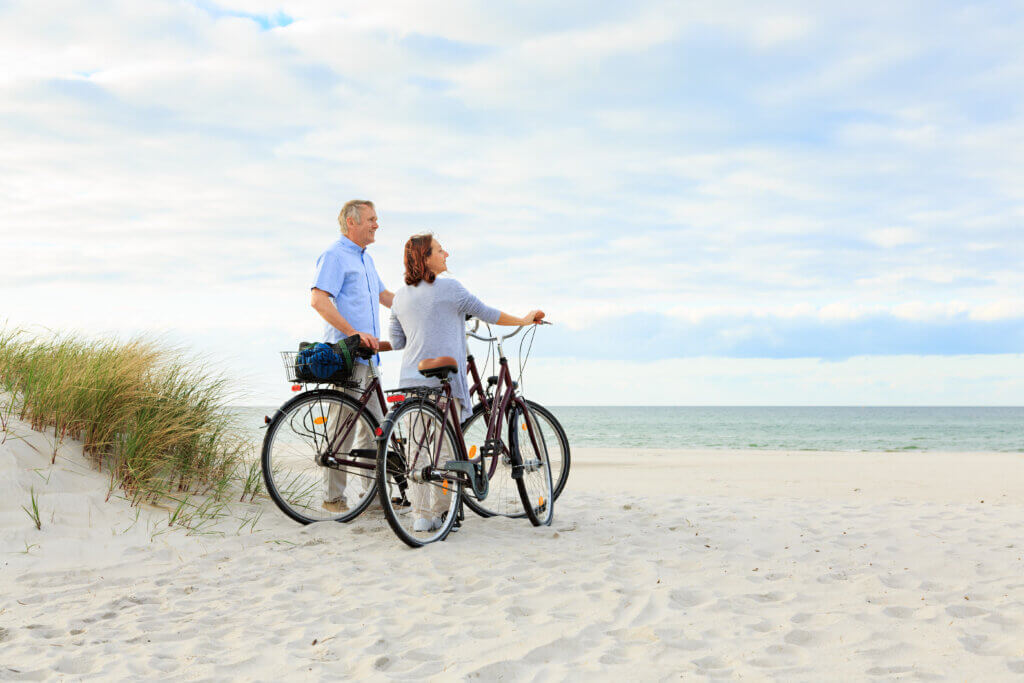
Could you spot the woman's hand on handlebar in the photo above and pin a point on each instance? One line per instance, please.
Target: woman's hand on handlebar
(531, 318)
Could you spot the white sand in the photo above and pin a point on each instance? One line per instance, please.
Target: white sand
(717, 564)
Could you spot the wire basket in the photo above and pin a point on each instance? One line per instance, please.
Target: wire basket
(298, 372)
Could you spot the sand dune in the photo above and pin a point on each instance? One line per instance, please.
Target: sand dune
(718, 565)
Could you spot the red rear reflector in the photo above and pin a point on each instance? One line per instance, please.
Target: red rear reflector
(396, 398)
(296, 387)
(379, 431)
(266, 419)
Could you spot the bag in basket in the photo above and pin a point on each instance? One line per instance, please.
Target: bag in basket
(320, 362)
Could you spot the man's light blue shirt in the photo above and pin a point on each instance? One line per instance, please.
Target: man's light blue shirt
(348, 274)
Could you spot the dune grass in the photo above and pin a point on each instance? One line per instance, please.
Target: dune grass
(156, 418)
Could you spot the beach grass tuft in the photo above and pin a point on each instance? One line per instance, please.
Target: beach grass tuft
(32, 509)
(157, 418)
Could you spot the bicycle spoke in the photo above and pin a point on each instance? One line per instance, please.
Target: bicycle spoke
(309, 428)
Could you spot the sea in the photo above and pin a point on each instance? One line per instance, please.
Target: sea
(893, 429)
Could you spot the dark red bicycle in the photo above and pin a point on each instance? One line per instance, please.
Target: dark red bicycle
(320, 447)
(502, 499)
(425, 470)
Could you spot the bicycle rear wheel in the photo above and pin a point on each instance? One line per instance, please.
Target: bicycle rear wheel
(419, 509)
(305, 430)
(531, 467)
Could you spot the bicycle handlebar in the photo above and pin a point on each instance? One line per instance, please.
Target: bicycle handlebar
(476, 325)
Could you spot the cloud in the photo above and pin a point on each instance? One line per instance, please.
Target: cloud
(655, 336)
(825, 181)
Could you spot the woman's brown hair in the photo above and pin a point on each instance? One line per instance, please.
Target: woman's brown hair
(417, 249)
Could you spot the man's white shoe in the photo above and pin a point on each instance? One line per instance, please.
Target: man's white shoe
(336, 506)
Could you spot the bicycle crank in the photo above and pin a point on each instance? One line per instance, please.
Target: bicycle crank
(474, 471)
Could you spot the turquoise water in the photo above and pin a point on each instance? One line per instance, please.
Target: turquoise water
(782, 428)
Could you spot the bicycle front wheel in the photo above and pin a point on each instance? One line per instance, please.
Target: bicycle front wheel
(301, 479)
(557, 445)
(503, 497)
(531, 466)
(420, 507)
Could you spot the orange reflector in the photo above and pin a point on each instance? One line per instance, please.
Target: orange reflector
(444, 487)
(319, 420)
(296, 387)
(472, 451)
(541, 503)
(524, 426)
(396, 398)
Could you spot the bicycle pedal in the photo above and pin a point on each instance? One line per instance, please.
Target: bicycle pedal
(490, 447)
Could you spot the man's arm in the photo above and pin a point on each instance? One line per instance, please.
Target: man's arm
(387, 297)
(322, 304)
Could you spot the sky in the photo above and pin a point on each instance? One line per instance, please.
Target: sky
(729, 203)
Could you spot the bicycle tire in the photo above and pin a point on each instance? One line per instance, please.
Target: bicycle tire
(559, 466)
(291, 475)
(476, 426)
(529, 451)
(503, 499)
(407, 435)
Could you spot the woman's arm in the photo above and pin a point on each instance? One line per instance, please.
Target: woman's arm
(396, 333)
(529, 319)
(470, 305)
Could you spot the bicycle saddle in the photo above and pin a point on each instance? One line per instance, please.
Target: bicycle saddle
(438, 367)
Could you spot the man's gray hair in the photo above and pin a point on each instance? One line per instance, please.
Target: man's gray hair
(351, 210)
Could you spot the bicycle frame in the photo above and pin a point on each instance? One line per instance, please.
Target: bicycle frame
(477, 386)
(504, 395)
(451, 412)
(374, 387)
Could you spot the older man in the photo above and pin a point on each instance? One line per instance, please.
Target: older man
(346, 293)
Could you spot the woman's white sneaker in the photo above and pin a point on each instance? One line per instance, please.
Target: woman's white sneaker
(424, 524)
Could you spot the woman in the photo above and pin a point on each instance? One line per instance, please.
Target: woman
(428, 318)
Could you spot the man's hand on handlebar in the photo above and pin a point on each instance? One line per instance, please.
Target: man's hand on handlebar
(369, 341)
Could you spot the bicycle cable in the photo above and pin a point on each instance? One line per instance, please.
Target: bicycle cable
(527, 336)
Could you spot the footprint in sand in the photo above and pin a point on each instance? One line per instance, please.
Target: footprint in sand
(74, 666)
(888, 670)
(685, 598)
(773, 596)
(965, 611)
(803, 638)
(898, 612)
(710, 662)
(778, 656)
(519, 611)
